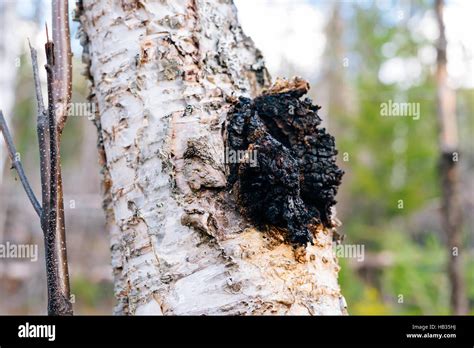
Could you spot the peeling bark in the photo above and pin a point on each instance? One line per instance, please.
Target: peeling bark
(162, 75)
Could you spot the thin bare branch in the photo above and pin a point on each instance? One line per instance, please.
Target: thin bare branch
(38, 92)
(43, 141)
(16, 163)
(53, 143)
(55, 238)
(62, 66)
(62, 96)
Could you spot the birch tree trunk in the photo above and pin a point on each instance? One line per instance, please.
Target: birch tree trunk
(161, 72)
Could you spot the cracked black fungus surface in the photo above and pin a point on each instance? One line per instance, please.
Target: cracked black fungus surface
(296, 178)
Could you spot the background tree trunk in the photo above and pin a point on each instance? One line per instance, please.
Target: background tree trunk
(451, 211)
(161, 72)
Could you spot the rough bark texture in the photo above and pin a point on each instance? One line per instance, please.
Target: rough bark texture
(161, 73)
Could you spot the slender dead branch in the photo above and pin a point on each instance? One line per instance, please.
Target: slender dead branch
(16, 163)
(56, 257)
(38, 92)
(50, 123)
(62, 67)
(62, 92)
(43, 141)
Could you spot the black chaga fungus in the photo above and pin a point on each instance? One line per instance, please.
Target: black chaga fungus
(293, 180)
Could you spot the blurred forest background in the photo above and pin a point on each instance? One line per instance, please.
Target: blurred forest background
(356, 56)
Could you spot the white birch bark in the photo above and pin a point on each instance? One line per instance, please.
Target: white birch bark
(161, 72)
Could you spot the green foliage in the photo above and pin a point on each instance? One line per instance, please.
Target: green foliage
(388, 162)
(393, 159)
(415, 283)
(418, 274)
(89, 296)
